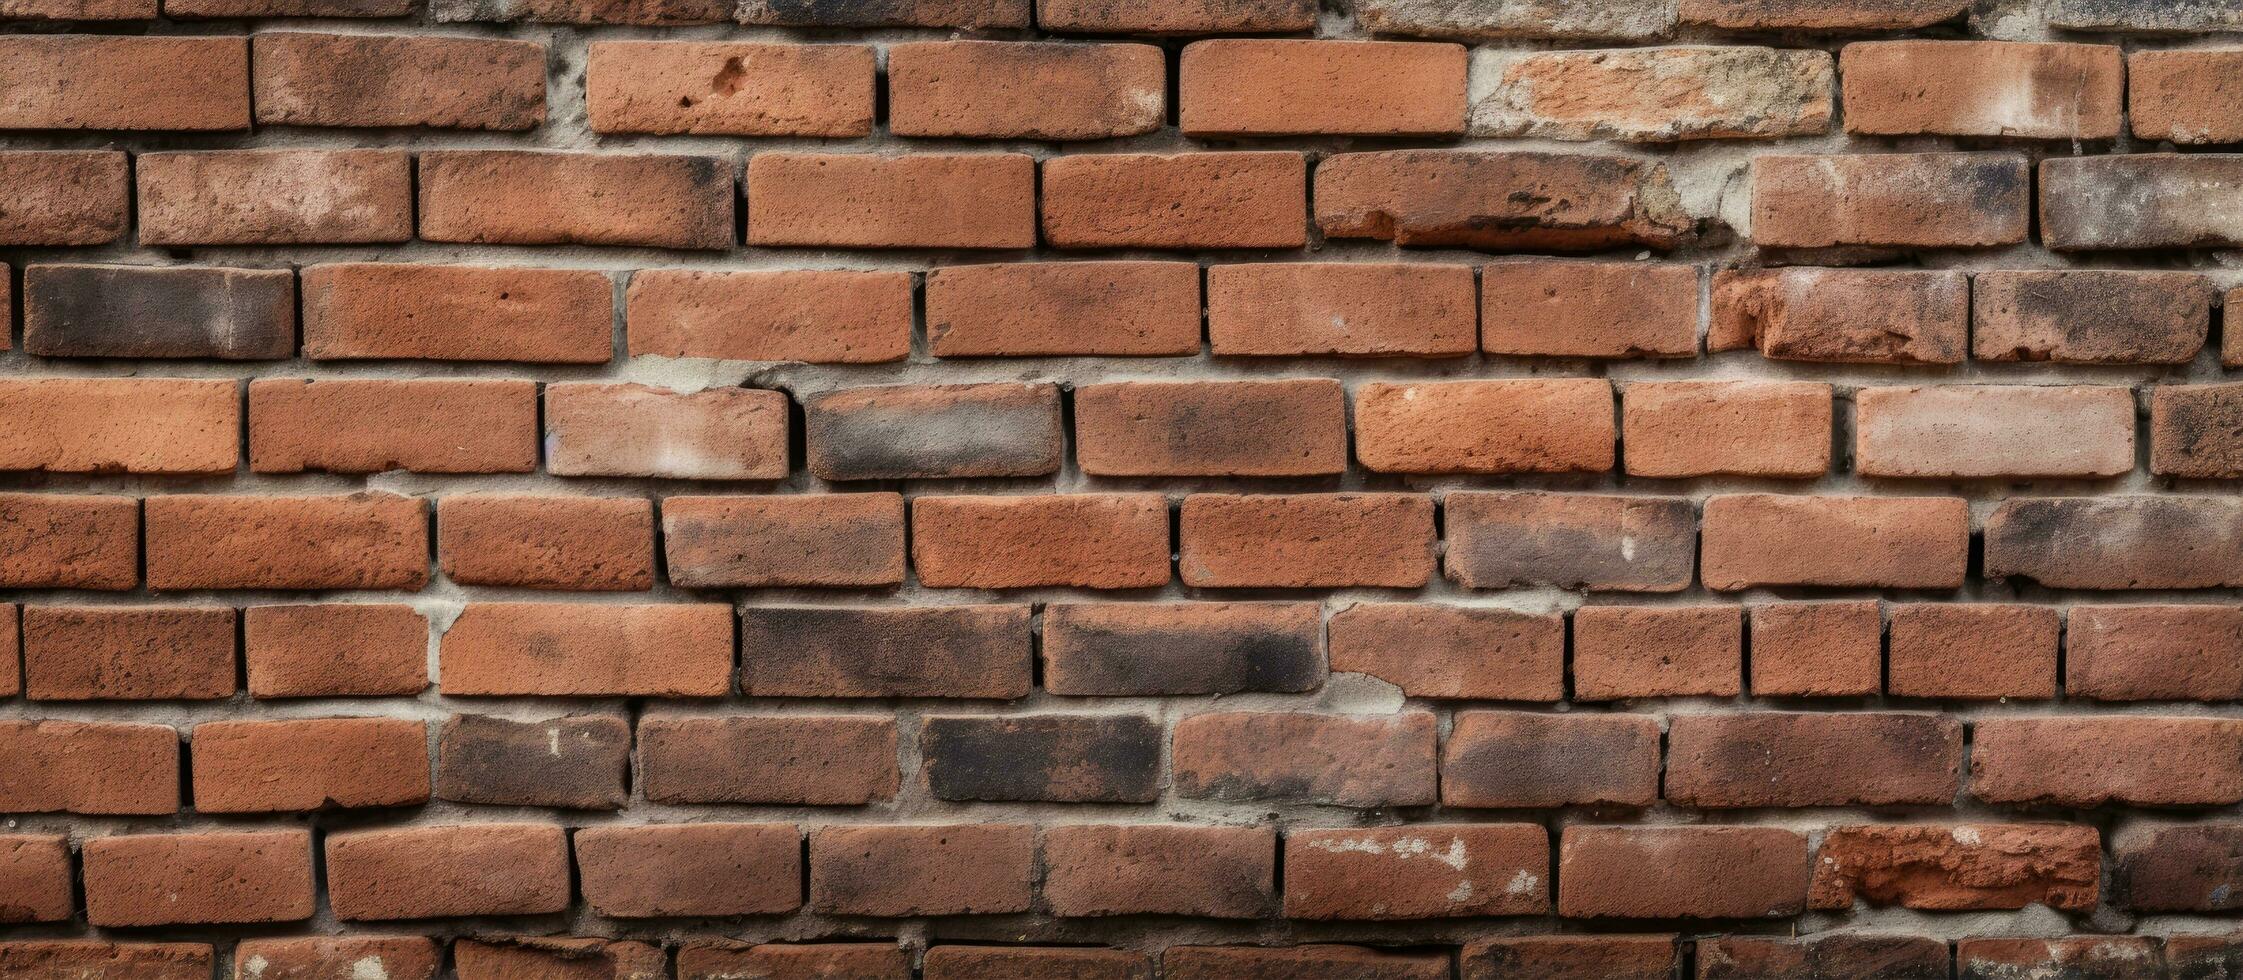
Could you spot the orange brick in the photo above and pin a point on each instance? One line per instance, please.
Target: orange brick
(369, 426)
(368, 310)
(310, 958)
(1360, 309)
(1528, 426)
(335, 650)
(306, 79)
(730, 88)
(886, 13)
(2088, 761)
(189, 879)
(1030, 309)
(433, 872)
(1212, 428)
(1436, 651)
(57, 197)
(821, 317)
(1705, 872)
(1848, 316)
(1742, 428)
(697, 869)
(1091, 541)
(1236, 87)
(84, 81)
(1296, 541)
(530, 649)
(1622, 652)
(1818, 649)
(547, 542)
(1498, 200)
(2154, 653)
(595, 429)
(275, 197)
(128, 653)
(34, 10)
(96, 768)
(1984, 88)
(1589, 309)
(11, 652)
(365, 540)
(1654, 95)
(1994, 431)
(1974, 651)
(924, 200)
(1926, 200)
(836, 540)
(520, 197)
(1753, 540)
(131, 425)
(312, 764)
(139, 961)
(720, 960)
(2186, 97)
(68, 541)
(1187, 200)
(35, 871)
(1025, 90)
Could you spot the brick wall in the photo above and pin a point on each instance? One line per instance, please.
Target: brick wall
(1104, 489)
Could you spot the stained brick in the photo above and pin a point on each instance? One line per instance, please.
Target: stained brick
(2168, 868)
(369, 426)
(1984, 88)
(594, 429)
(2077, 956)
(921, 870)
(1137, 649)
(1364, 761)
(1085, 540)
(1176, 16)
(1218, 872)
(586, 650)
(923, 200)
(312, 764)
(87, 81)
(1306, 541)
(1929, 200)
(729, 88)
(2089, 316)
(1822, 15)
(2196, 430)
(1772, 759)
(69, 541)
(1422, 871)
(820, 317)
(1112, 309)
(1627, 544)
(1523, 759)
(1042, 758)
(579, 762)
(2119, 542)
(36, 874)
(927, 651)
(1188, 200)
(1211, 428)
(696, 869)
(1704, 872)
(1994, 431)
(842, 540)
(306, 79)
(364, 540)
(130, 653)
(182, 312)
(1025, 90)
(2145, 16)
(898, 432)
(1437, 651)
(1237, 87)
(520, 197)
(1653, 94)
(335, 650)
(2185, 97)
(2146, 200)
(187, 879)
(362, 311)
(1498, 201)
(65, 197)
(791, 759)
(1849, 316)
(1614, 20)
(1355, 309)
(274, 197)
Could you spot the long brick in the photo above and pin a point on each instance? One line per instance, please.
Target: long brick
(1306, 541)
(790, 759)
(365, 540)
(1498, 201)
(1994, 431)
(521, 197)
(1589, 309)
(1188, 200)
(335, 650)
(2142, 201)
(1614, 20)
(2089, 316)
(2154, 653)
(1972, 651)
(1522, 426)
(129, 425)
(699, 869)
(184, 312)
(1742, 428)
(1823, 954)
(2119, 542)
(1771, 759)
(2144, 16)
(494, 959)
(2183, 96)
(1354, 309)
(1704, 872)
(307, 79)
(1848, 316)
(1657, 651)
(986, 14)
(1524, 759)
(360, 311)
(1176, 16)
(1753, 540)
(1240, 87)
(128, 653)
(65, 197)
(1042, 758)
(1142, 649)
(274, 197)
(924, 200)
(86, 81)
(1324, 960)
(1364, 761)
(2088, 761)
(89, 767)
(821, 317)
(1575, 957)
(199, 878)
(1211, 428)
(597, 429)
(898, 432)
(924, 651)
(840, 540)
(705, 960)
(595, 544)
(1422, 871)
(1821, 15)
(310, 958)
(730, 88)
(1216, 872)
(137, 961)
(1438, 651)
(56, 10)
(1985, 88)
(578, 762)
(444, 871)
(1025, 90)
(588, 650)
(196, 9)
(1994, 959)
(1112, 309)
(959, 869)
(1626, 544)
(370, 426)
(312, 764)
(1927, 200)
(1031, 962)
(69, 541)
(1653, 94)
(1085, 540)
(1959, 866)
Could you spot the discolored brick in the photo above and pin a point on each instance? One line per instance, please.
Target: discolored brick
(1818, 649)
(372, 426)
(2088, 761)
(594, 429)
(335, 650)
(1298, 541)
(1846, 316)
(1499, 201)
(522, 197)
(2177, 868)
(1363, 761)
(1753, 540)
(307, 79)
(1822, 955)
(1989, 651)
(89, 767)
(1607, 20)
(1821, 15)
(1653, 94)
(1211, 428)
(732, 88)
(841, 540)
(1216, 872)
(1025, 90)
(1355, 309)
(1422, 871)
(1042, 758)
(694, 869)
(372, 310)
(1176, 16)
(1703, 872)
(1083, 540)
(333, 957)
(898, 432)
(1524, 759)
(1597, 957)
(132, 653)
(312, 764)
(1137, 649)
(1782, 759)
(794, 759)
(1926, 200)
(961, 869)
(1252, 87)
(1985, 88)
(2153, 653)
(886, 13)
(1520, 426)
(199, 878)
(365, 540)
(2089, 316)
(1629, 544)
(1657, 651)
(558, 959)
(547, 542)
(924, 651)
(1994, 431)
(923, 200)
(2139, 201)
(1186, 200)
(580, 762)
(1589, 309)
(2085, 957)
(553, 649)
(1112, 309)
(1958, 866)
(69, 541)
(177, 312)
(1436, 651)
(446, 871)
(2118, 542)
(2197, 430)
(274, 197)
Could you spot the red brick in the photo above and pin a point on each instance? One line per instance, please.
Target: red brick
(58, 10)
(1498, 200)
(1112, 309)
(1322, 961)
(1657, 652)
(84, 81)
(1835, 953)
(1423, 871)
(781, 961)
(547, 542)
(1042, 758)
(1848, 316)
(94, 768)
(577, 762)
(2087, 761)
(35, 875)
(1348, 308)
(2089, 316)
(1589, 309)
(820, 317)
(299, 766)
(1570, 958)
(75, 197)
(1517, 426)
(72, 310)
(1524, 759)
(558, 959)
(1754, 540)
(69, 541)
(365, 540)
(11, 652)
(1035, 963)
(520, 197)
(1772, 759)
(698, 869)
(839, 540)
(1025, 90)
(1958, 867)
(588, 650)
(2154, 653)
(1138, 649)
(112, 425)
(194, 9)
(1212, 872)
(2175, 868)
(887, 13)
(1682, 872)
(437, 872)
(923, 200)
(1235, 87)
(335, 650)
(306, 79)
(130, 653)
(926, 651)
(961, 869)
(358, 311)
(1089, 540)
(729, 88)
(2139, 201)
(791, 759)
(900, 432)
(1434, 651)
(1983, 652)
(274, 197)
(1212, 428)
(595, 429)
(107, 960)
(2117, 542)
(369, 426)
(1653, 95)
(2185, 97)
(2087, 957)
(1984, 88)
(1994, 431)
(1927, 200)
(1176, 16)
(2197, 430)
(1821, 15)
(1818, 649)
(186, 879)
(1307, 541)
(1723, 428)
(1363, 761)
(1184, 201)
(1625, 544)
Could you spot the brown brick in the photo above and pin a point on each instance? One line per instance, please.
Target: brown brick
(1984, 88)
(1035, 963)
(1212, 428)
(595, 429)
(58, 10)
(366, 540)
(1818, 649)
(1983, 652)
(1524, 759)
(819, 317)
(1657, 652)
(2154, 653)
(1112, 309)
(1827, 954)
(1653, 95)
(120, 425)
(580, 762)
(1777, 759)
(1570, 958)
(193, 9)
(1716, 428)
(1754, 540)
(186, 879)
(786, 961)
(1927, 200)
(1176, 16)
(961, 869)
(1025, 90)
(1822, 15)
(521, 197)
(87, 81)
(1994, 431)
(887, 13)
(274, 197)
(558, 958)
(1139, 649)
(2089, 957)
(306, 79)
(791, 759)
(1042, 758)
(1423, 871)
(2089, 316)
(11, 652)
(898, 432)
(1320, 960)
(370, 426)
(697, 869)
(924, 651)
(1363, 761)
(69, 541)
(1682, 872)
(1186, 200)
(1589, 309)
(35, 874)
(2169, 868)
(1084, 540)
(1215, 872)
(2088, 761)
(335, 650)
(1347, 308)
(547, 542)
(921, 200)
(2197, 430)
(729, 88)
(1498, 200)
(1513, 426)
(437, 872)
(2118, 542)
(1848, 316)
(97, 767)
(1958, 867)
(2202, 955)
(2185, 97)
(74, 197)
(314, 764)
(1435, 651)
(1239, 87)
(584, 650)
(137, 311)
(586, 12)
(1307, 541)
(107, 960)
(357, 311)
(2146, 200)
(333, 957)
(131, 653)
(838, 540)
(1627, 544)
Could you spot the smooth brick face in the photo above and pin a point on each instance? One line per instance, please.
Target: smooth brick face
(933, 432)
(1928, 200)
(1114, 309)
(895, 871)
(365, 540)
(1653, 94)
(1219, 872)
(335, 650)
(1825, 954)
(83, 81)
(370, 426)
(433, 872)
(576, 763)
(1791, 760)
(1589, 309)
(2086, 316)
(35, 871)
(300, 766)
(124, 311)
(1985, 88)
(65, 197)
(1176, 16)
(698, 869)
(2086, 761)
(1497, 201)
(1422, 872)
(1742, 428)
(568, 650)
(1655, 651)
(1089, 541)
(1529, 426)
(928, 200)
(2153, 653)
(1127, 649)
(1570, 958)
(938, 651)
(1306, 541)
(547, 542)
(2185, 97)
(1434, 651)
(2196, 430)
(1186, 201)
(516, 197)
(1015, 90)
(1968, 866)
(2123, 542)
(1286, 87)
(2149, 200)
(853, 540)
(1706, 872)
(1972, 651)
(792, 759)
(1522, 759)
(1042, 758)
(1030, 963)
(1994, 431)
(128, 425)
(1218, 428)
(1817, 649)
(128, 653)
(359, 311)
(1847, 316)
(729, 88)
(171, 879)
(68, 541)
(2176, 868)
(1859, 542)
(594, 429)
(1607, 543)
(822, 317)
(305, 79)
(274, 197)
(1367, 761)
(94, 768)
(1350, 309)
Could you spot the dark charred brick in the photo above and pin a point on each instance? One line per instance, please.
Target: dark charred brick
(924, 652)
(934, 432)
(1570, 958)
(690, 869)
(1043, 758)
(1785, 759)
(2197, 430)
(2066, 958)
(578, 763)
(797, 759)
(828, 540)
(127, 311)
(1498, 201)
(2145, 200)
(1176, 16)
(1036, 963)
(1523, 759)
(1124, 649)
(1822, 957)
(1336, 760)
(2203, 957)
(2126, 542)
(1628, 544)
(1222, 428)
(2089, 316)
(886, 13)
(2167, 868)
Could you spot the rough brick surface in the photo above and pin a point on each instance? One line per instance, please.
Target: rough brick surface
(1925, 200)
(976, 651)
(1524, 759)
(1608, 543)
(563, 649)
(998, 90)
(1219, 872)
(1653, 94)
(1498, 201)
(983, 200)
(529, 198)
(65, 197)
(1306, 540)
(306, 79)
(194, 312)
(1275, 88)
(186, 879)
(730, 88)
(274, 197)
(1198, 201)
(359, 311)
(1986, 88)
(293, 766)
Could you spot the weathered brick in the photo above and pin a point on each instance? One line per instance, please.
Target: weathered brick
(1211, 428)
(1306, 541)
(1242, 87)
(2185, 97)
(2197, 430)
(2089, 316)
(1083, 540)
(1994, 431)
(306, 79)
(65, 197)
(2146, 200)
(1829, 954)
(1589, 309)
(896, 432)
(522, 197)
(2190, 956)
(1926, 200)
(922, 651)
(1112, 309)
(1355, 309)
(334, 957)
(35, 874)
(815, 316)
(2086, 957)
(1657, 651)
(1818, 649)
(696, 869)
(1714, 428)
(365, 540)
(136, 311)
(2144, 16)
(335, 650)
(2120, 542)
(1849, 316)
(923, 200)
(99, 960)
(193, 9)
(11, 652)
(1577, 541)
(547, 542)
(313, 764)
(129, 653)
(1422, 871)
(1614, 20)
(1139, 649)
(1821, 15)
(1217, 872)
(790, 961)
(2088, 761)
(1682, 872)
(1754, 540)
(1955, 650)
(1176, 16)
(792, 759)
(89, 767)
(729, 88)
(1324, 961)
(580, 762)
(68, 541)
(886, 13)
(583, 650)
(1186, 200)
(188, 879)
(1779, 759)
(840, 540)
(369, 310)
(1597, 957)
(60, 10)
(558, 958)
(1042, 758)
(1435, 651)
(369, 426)
(88, 81)
(586, 12)
(2154, 653)
(1035, 963)
(1363, 761)
(2177, 868)
(120, 425)
(444, 871)
(274, 197)
(1652, 95)
(961, 869)
(595, 429)
(1025, 90)
(1958, 867)
(1499, 201)
(1514, 426)
(1984, 88)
